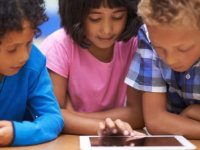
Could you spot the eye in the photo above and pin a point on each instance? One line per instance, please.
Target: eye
(184, 50)
(94, 19)
(12, 50)
(118, 17)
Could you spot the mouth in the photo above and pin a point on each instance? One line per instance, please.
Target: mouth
(106, 38)
(16, 67)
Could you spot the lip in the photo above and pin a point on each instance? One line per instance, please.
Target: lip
(106, 38)
(16, 67)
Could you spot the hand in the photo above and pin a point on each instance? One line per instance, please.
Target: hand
(6, 133)
(192, 112)
(117, 127)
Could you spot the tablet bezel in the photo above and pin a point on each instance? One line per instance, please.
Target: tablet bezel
(85, 144)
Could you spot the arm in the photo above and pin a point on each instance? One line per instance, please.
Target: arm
(132, 113)
(159, 121)
(48, 122)
(73, 123)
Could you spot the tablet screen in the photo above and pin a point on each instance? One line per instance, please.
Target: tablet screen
(131, 141)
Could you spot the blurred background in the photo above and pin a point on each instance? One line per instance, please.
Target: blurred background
(52, 24)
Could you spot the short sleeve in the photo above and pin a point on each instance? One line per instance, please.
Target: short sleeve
(56, 47)
(144, 72)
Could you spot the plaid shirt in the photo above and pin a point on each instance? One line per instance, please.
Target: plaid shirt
(149, 73)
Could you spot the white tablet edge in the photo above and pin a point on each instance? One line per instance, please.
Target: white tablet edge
(85, 144)
(185, 142)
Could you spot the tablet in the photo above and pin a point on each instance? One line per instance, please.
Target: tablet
(170, 142)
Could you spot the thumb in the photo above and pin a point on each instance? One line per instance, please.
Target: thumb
(3, 123)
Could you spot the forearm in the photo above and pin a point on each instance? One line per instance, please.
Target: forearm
(168, 123)
(131, 115)
(159, 121)
(76, 124)
(44, 128)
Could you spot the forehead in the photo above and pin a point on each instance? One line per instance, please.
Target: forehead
(104, 3)
(15, 37)
(172, 36)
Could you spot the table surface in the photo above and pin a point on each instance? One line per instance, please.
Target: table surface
(65, 142)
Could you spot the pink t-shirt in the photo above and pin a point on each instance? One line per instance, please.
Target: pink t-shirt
(93, 85)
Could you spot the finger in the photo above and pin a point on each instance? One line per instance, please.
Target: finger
(6, 135)
(132, 132)
(110, 126)
(128, 130)
(136, 133)
(101, 129)
(3, 123)
(121, 127)
(2, 131)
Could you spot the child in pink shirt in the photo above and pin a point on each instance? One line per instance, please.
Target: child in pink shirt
(88, 60)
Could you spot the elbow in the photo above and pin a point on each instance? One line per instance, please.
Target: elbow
(137, 124)
(153, 127)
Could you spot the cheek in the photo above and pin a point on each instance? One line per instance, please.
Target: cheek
(119, 27)
(7, 59)
(89, 31)
(160, 53)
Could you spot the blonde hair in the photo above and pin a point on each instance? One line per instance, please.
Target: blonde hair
(170, 12)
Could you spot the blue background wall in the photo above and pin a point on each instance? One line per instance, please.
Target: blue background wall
(52, 24)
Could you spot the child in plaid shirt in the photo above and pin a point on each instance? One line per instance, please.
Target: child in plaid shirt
(166, 67)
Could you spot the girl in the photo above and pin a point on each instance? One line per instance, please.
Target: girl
(88, 60)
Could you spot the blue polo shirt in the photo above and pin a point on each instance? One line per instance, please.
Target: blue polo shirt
(31, 89)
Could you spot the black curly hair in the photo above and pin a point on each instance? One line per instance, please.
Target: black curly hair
(74, 12)
(13, 13)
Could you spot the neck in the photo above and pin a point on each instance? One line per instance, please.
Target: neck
(1, 77)
(104, 55)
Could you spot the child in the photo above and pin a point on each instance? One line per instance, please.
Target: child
(167, 67)
(24, 81)
(88, 60)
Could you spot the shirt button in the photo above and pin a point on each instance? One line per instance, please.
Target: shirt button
(188, 76)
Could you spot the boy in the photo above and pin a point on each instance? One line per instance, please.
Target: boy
(24, 81)
(167, 66)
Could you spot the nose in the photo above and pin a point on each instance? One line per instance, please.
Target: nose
(106, 27)
(170, 59)
(23, 55)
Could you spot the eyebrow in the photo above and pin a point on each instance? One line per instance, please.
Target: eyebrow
(17, 44)
(95, 11)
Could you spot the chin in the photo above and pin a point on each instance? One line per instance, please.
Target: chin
(181, 69)
(12, 73)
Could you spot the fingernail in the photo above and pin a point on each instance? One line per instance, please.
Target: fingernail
(126, 132)
(132, 134)
(114, 131)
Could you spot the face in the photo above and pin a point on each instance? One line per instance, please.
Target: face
(14, 50)
(178, 47)
(104, 25)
